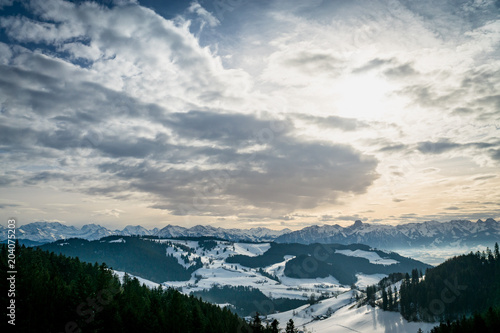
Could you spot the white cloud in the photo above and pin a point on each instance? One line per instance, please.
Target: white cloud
(108, 212)
(5, 54)
(206, 16)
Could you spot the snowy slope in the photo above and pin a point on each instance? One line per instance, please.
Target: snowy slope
(373, 257)
(120, 240)
(251, 250)
(217, 272)
(366, 319)
(337, 312)
(205, 264)
(341, 314)
(365, 280)
(149, 284)
(307, 314)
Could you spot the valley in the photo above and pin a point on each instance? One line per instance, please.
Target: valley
(312, 284)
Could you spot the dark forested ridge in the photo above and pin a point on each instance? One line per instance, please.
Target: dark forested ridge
(247, 301)
(458, 287)
(55, 293)
(463, 293)
(134, 255)
(321, 260)
(488, 322)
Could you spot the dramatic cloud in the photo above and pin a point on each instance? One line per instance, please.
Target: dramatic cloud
(247, 111)
(257, 167)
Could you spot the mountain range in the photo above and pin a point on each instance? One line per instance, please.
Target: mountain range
(411, 235)
(47, 232)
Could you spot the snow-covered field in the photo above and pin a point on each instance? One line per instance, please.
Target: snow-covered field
(373, 257)
(365, 280)
(120, 240)
(341, 314)
(216, 271)
(350, 319)
(148, 283)
(337, 313)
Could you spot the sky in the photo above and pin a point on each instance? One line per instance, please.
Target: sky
(249, 113)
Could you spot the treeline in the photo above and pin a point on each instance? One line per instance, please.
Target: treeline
(135, 255)
(463, 293)
(488, 322)
(459, 287)
(388, 291)
(55, 293)
(256, 326)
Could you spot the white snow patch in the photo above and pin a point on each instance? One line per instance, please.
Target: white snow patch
(148, 283)
(365, 280)
(307, 313)
(309, 283)
(178, 255)
(225, 305)
(278, 269)
(373, 257)
(251, 250)
(120, 240)
(366, 319)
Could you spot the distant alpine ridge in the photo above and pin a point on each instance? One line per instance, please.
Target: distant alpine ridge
(47, 232)
(431, 233)
(411, 235)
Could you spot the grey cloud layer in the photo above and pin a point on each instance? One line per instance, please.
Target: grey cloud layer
(57, 115)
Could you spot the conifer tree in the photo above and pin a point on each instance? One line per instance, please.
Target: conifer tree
(275, 326)
(385, 303)
(390, 300)
(257, 324)
(290, 327)
(489, 255)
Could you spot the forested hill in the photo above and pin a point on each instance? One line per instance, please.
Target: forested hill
(55, 293)
(459, 287)
(343, 262)
(134, 255)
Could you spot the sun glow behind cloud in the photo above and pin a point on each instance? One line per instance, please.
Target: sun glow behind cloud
(365, 97)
